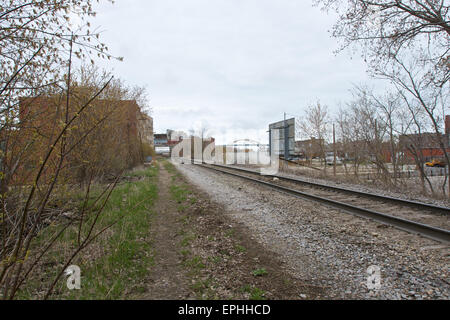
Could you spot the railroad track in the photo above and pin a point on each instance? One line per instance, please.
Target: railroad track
(386, 210)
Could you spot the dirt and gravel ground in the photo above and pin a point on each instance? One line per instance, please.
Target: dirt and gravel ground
(166, 279)
(201, 253)
(327, 249)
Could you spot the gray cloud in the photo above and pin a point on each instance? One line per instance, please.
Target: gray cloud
(234, 64)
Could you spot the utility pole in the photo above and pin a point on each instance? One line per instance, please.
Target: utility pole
(286, 139)
(376, 137)
(192, 150)
(334, 150)
(270, 145)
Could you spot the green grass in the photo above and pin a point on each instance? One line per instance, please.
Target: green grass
(229, 233)
(204, 289)
(179, 193)
(149, 173)
(185, 253)
(259, 272)
(255, 293)
(201, 285)
(185, 220)
(187, 239)
(240, 248)
(123, 254)
(195, 263)
(215, 259)
(170, 168)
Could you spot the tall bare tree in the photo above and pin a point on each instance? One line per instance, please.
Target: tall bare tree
(389, 28)
(316, 125)
(406, 42)
(37, 39)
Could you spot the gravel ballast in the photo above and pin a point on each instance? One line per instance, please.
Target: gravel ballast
(328, 248)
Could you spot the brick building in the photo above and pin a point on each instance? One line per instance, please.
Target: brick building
(427, 145)
(106, 135)
(145, 128)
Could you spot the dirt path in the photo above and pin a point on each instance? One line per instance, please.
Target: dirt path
(167, 278)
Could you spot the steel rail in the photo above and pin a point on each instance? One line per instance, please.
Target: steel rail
(427, 231)
(410, 203)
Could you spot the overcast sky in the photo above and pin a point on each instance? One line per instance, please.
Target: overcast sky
(234, 65)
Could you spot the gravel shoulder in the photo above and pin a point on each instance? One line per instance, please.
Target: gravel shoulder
(327, 248)
(439, 220)
(413, 194)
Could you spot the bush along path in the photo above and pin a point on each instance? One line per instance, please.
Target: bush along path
(116, 263)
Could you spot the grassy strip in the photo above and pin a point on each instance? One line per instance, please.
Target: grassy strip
(254, 292)
(115, 264)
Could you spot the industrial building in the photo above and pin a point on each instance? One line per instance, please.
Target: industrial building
(282, 138)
